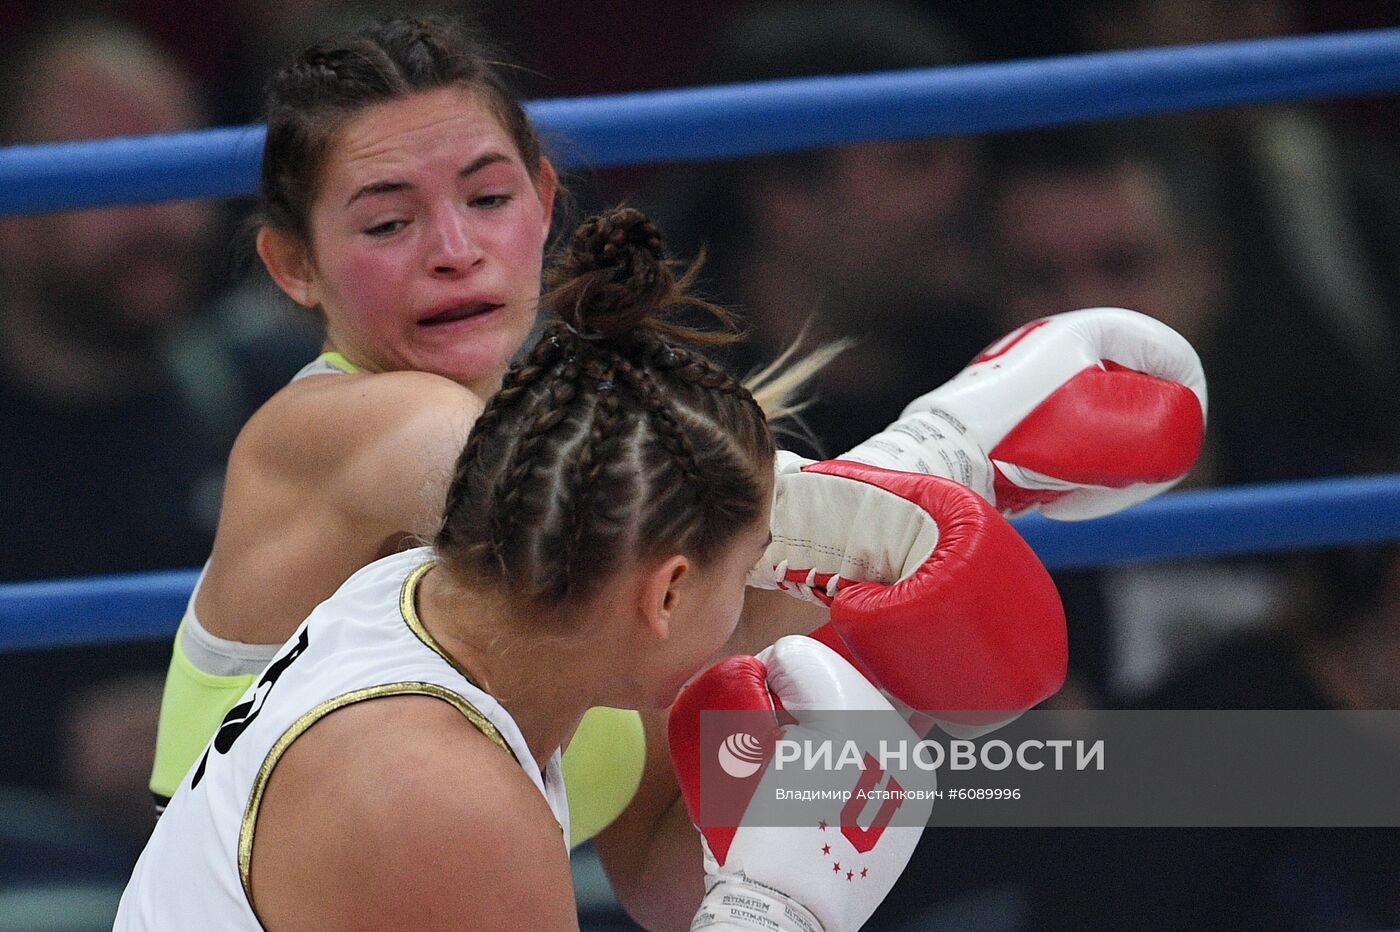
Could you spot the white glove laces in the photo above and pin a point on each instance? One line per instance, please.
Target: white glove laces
(809, 588)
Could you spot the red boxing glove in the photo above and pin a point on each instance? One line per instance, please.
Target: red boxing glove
(933, 594)
(766, 877)
(1080, 415)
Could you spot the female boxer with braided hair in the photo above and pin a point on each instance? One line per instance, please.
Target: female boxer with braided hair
(406, 200)
(598, 529)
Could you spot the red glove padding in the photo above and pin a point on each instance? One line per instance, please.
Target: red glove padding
(780, 877)
(933, 594)
(1080, 415)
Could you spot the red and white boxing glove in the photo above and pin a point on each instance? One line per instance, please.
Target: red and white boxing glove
(933, 594)
(1080, 415)
(776, 877)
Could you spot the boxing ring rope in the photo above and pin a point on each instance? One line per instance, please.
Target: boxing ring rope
(737, 120)
(1212, 523)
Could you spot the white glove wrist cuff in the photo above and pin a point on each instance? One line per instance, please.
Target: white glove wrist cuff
(737, 902)
(930, 442)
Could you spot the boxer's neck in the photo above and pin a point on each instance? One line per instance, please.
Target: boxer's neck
(545, 681)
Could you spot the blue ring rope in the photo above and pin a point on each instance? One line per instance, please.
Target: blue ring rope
(747, 119)
(737, 120)
(1183, 525)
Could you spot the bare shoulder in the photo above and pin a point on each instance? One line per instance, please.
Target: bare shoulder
(314, 422)
(398, 813)
(363, 460)
(373, 452)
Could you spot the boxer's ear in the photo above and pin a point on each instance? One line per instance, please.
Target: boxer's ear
(289, 263)
(661, 593)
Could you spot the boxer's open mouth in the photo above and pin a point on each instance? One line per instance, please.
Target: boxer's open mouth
(460, 312)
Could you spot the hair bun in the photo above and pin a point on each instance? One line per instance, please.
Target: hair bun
(613, 275)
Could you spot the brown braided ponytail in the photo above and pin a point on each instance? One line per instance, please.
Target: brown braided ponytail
(614, 439)
(614, 277)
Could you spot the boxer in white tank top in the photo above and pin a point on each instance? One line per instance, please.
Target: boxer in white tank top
(365, 642)
(208, 674)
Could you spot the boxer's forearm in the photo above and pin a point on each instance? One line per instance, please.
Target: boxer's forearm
(651, 852)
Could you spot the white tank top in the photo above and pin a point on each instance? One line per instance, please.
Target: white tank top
(364, 642)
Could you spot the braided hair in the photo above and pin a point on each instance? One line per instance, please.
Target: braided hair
(614, 438)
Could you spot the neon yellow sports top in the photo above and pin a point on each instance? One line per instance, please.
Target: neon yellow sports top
(602, 766)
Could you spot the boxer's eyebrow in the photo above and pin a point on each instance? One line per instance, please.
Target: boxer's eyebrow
(490, 158)
(388, 187)
(378, 187)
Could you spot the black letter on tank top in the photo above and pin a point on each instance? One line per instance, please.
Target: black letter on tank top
(241, 716)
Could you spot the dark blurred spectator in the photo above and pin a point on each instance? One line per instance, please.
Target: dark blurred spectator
(1085, 217)
(865, 241)
(1102, 216)
(1337, 647)
(264, 35)
(1131, 24)
(1109, 216)
(119, 399)
(90, 299)
(1096, 217)
(1312, 216)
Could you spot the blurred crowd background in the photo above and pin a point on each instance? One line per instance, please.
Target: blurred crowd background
(135, 341)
